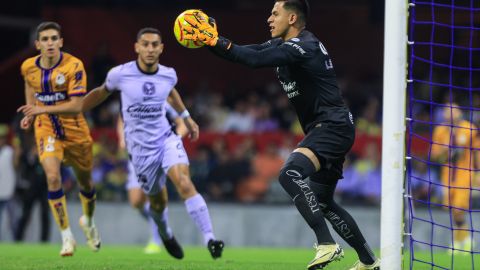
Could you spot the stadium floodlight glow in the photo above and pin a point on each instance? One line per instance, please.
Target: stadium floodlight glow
(393, 133)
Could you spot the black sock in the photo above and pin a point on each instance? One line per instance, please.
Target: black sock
(339, 217)
(342, 222)
(296, 169)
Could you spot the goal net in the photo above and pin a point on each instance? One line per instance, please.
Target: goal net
(443, 141)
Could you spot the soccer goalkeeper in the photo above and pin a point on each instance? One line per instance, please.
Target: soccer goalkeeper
(306, 73)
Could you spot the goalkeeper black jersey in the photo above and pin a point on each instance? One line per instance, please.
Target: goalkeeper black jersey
(305, 72)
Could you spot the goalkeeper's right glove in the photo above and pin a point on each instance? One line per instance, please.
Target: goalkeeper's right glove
(199, 29)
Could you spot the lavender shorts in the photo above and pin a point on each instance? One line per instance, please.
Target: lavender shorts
(150, 172)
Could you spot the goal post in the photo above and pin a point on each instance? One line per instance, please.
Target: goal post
(393, 133)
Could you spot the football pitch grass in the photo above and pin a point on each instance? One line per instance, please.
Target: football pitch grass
(35, 257)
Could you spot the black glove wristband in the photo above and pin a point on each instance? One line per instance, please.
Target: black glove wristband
(223, 44)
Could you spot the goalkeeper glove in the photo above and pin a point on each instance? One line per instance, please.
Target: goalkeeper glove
(205, 31)
(200, 28)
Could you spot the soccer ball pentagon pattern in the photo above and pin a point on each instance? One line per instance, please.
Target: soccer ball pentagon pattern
(180, 32)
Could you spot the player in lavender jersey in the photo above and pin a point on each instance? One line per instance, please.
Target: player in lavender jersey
(145, 87)
(136, 196)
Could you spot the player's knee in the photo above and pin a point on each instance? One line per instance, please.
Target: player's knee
(53, 180)
(157, 206)
(86, 186)
(185, 187)
(296, 169)
(292, 180)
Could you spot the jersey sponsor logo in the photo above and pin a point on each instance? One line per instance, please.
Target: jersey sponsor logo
(296, 47)
(148, 88)
(60, 79)
(295, 39)
(144, 111)
(51, 97)
(305, 188)
(293, 94)
(290, 88)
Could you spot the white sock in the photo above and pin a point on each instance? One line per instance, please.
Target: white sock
(67, 233)
(198, 211)
(89, 221)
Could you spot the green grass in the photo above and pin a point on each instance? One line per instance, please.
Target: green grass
(31, 256)
(27, 256)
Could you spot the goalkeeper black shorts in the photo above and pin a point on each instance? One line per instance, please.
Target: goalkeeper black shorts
(330, 142)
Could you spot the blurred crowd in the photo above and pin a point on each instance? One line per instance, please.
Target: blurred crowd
(247, 135)
(242, 171)
(238, 163)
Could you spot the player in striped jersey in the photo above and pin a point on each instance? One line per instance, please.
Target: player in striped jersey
(56, 80)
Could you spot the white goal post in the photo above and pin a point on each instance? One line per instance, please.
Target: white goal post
(393, 134)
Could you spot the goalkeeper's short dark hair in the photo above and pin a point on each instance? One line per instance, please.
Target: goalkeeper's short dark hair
(301, 7)
(47, 26)
(148, 30)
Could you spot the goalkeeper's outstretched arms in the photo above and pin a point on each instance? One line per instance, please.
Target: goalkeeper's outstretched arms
(269, 54)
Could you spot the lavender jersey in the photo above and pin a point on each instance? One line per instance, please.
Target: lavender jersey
(152, 145)
(132, 179)
(143, 99)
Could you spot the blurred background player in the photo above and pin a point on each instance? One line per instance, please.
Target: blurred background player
(55, 80)
(31, 186)
(306, 73)
(145, 87)
(7, 171)
(136, 196)
(452, 145)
